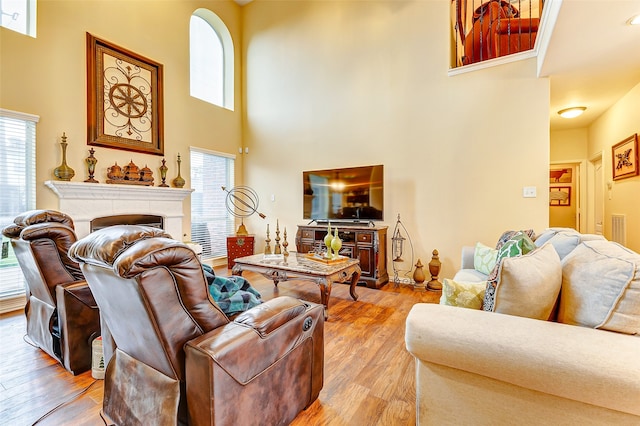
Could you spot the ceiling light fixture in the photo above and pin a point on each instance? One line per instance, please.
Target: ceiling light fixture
(634, 21)
(572, 112)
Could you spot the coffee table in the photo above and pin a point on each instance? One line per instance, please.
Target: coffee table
(299, 266)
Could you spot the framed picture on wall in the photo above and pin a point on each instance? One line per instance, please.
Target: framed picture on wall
(124, 99)
(625, 158)
(561, 175)
(560, 196)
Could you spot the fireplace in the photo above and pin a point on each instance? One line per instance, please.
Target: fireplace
(86, 202)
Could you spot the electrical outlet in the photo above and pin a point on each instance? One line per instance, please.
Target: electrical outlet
(529, 192)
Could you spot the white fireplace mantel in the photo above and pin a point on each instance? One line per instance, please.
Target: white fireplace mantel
(87, 201)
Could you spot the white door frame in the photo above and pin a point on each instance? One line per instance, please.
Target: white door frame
(591, 192)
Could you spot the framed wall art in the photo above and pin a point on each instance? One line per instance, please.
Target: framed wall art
(561, 175)
(560, 196)
(124, 99)
(625, 158)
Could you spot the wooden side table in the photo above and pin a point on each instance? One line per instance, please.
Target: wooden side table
(238, 246)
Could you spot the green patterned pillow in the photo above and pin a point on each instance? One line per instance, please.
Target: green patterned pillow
(463, 294)
(518, 245)
(484, 258)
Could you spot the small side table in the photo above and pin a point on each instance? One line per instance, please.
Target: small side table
(238, 246)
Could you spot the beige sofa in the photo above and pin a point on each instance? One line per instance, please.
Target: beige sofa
(479, 368)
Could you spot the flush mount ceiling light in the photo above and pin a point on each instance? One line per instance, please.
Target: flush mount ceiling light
(634, 21)
(571, 112)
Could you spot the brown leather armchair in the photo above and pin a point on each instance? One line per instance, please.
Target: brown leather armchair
(179, 358)
(62, 316)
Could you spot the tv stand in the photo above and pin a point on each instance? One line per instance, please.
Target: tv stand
(364, 241)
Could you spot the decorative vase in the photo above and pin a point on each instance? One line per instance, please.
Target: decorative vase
(91, 166)
(336, 244)
(178, 182)
(327, 241)
(418, 276)
(163, 174)
(64, 172)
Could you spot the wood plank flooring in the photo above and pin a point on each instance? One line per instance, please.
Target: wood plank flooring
(369, 376)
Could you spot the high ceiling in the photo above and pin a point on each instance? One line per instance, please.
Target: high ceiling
(593, 58)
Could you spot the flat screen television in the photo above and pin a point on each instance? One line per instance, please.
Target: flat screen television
(353, 194)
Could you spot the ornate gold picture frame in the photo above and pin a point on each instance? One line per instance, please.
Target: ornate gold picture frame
(124, 99)
(625, 158)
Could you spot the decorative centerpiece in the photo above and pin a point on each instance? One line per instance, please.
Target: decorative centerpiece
(130, 175)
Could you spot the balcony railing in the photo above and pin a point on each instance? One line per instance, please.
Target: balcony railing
(485, 30)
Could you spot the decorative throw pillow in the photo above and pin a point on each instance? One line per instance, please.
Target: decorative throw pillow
(519, 243)
(565, 242)
(462, 294)
(484, 258)
(506, 236)
(528, 285)
(601, 287)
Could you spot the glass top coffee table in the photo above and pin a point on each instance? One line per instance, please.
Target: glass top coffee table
(299, 266)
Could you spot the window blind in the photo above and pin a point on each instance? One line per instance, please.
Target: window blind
(18, 184)
(211, 223)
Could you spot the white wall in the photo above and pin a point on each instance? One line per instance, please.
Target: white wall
(334, 84)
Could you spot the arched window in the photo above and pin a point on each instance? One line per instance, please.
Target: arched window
(211, 59)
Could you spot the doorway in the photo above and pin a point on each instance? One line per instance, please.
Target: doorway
(596, 195)
(565, 195)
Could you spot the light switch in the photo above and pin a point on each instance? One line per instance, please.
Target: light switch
(529, 192)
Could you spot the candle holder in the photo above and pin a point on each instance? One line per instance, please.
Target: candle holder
(91, 166)
(277, 249)
(285, 244)
(267, 247)
(401, 270)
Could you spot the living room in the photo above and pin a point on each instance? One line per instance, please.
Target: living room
(323, 85)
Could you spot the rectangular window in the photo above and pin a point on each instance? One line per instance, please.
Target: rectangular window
(18, 187)
(19, 16)
(211, 223)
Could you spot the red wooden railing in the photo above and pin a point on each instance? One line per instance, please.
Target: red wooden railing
(487, 29)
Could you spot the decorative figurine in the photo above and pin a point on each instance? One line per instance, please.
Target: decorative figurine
(327, 241)
(91, 166)
(336, 244)
(178, 182)
(418, 276)
(64, 172)
(163, 174)
(434, 270)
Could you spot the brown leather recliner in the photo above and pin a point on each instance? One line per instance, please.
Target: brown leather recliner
(62, 316)
(179, 358)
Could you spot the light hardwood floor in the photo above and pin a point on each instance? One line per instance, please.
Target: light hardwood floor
(369, 376)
